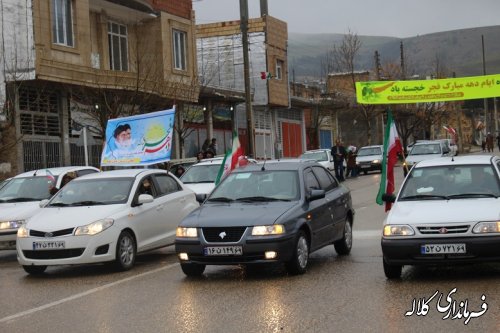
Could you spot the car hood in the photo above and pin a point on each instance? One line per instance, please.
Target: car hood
(417, 158)
(201, 188)
(57, 218)
(445, 211)
(369, 158)
(237, 214)
(18, 210)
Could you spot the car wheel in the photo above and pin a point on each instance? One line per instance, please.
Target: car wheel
(300, 258)
(193, 270)
(34, 270)
(392, 271)
(343, 246)
(126, 250)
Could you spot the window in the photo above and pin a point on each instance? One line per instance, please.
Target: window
(62, 22)
(118, 46)
(167, 184)
(279, 69)
(310, 181)
(179, 50)
(325, 181)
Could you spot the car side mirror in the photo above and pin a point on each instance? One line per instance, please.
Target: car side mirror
(388, 197)
(144, 198)
(315, 195)
(43, 203)
(201, 197)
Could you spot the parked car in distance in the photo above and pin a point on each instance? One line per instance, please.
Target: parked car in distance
(109, 216)
(322, 156)
(451, 146)
(447, 212)
(20, 197)
(200, 177)
(277, 212)
(424, 150)
(369, 158)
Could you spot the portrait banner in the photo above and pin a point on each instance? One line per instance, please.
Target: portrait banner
(139, 140)
(421, 91)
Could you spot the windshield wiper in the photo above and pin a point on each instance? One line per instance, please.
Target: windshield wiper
(472, 195)
(20, 200)
(221, 199)
(200, 182)
(87, 203)
(59, 204)
(260, 198)
(424, 196)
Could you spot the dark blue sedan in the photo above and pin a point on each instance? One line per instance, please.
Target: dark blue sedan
(279, 212)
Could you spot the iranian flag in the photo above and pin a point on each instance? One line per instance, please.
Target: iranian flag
(232, 159)
(392, 147)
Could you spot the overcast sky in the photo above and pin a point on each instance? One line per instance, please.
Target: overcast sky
(395, 18)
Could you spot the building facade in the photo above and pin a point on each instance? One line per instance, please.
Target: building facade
(76, 63)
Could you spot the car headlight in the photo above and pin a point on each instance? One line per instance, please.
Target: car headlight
(486, 227)
(94, 227)
(265, 230)
(376, 161)
(186, 232)
(398, 230)
(4, 225)
(23, 232)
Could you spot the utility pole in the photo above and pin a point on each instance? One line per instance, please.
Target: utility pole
(246, 74)
(485, 100)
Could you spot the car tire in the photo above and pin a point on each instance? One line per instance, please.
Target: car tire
(193, 270)
(392, 271)
(126, 251)
(343, 246)
(300, 258)
(34, 270)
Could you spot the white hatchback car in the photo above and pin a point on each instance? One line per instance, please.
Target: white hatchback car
(109, 216)
(20, 197)
(369, 158)
(447, 212)
(322, 156)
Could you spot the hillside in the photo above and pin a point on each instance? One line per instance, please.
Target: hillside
(458, 51)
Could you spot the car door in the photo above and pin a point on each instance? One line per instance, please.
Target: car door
(175, 204)
(145, 218)
(335, 213)
(319, 221)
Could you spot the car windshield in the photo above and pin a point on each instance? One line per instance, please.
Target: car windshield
(451, 182)
(317, 156)
(92, 192)
(426, 149)
(258, 186)
(27, 189)
(369, 151)
(201, 174)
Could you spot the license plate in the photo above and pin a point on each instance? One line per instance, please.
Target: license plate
(365, 166)
(442, 248)
(49, 245)
(223, 251)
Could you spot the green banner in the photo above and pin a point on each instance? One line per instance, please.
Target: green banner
(418, 91)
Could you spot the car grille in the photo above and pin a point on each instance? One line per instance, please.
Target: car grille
(443, 230)
(226, 259)
(63, 232)
(232, 234)
(53, 254)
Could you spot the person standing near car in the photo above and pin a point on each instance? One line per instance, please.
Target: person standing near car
(352, 169)
(338, 153)
(498, 141)
(489, 142)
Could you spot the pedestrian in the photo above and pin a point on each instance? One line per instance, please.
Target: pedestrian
(352, 169)
(205, 145)
(489, 142)
(179, 171)
(213, 146)
(209, 154)
(483, 145)
(199, 156)
(338, 153)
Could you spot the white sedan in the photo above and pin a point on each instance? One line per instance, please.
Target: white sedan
(108, 216)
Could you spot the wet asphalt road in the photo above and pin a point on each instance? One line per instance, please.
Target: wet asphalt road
(341, 294)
